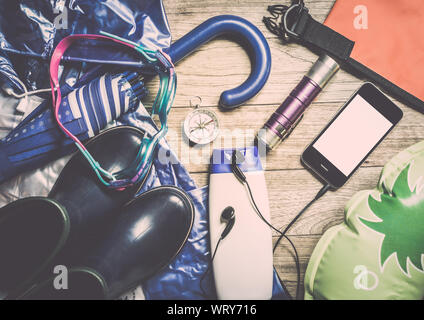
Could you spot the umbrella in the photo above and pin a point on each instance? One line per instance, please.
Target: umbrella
(98, 98)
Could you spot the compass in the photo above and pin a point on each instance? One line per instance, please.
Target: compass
(201, 125)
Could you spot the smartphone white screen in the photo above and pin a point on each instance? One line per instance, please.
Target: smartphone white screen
(356, 130)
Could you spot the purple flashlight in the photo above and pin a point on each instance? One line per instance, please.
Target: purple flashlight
(285, 118)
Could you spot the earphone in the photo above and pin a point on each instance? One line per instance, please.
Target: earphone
(237, 158)
(228, 216)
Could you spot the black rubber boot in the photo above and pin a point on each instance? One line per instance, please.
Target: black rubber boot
(38, 233)
(146, 237)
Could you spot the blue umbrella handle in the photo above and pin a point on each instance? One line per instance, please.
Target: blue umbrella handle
(254, 42)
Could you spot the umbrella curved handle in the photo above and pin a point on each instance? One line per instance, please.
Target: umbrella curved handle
(254, 42)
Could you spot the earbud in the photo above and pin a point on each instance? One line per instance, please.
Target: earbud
(228, 216)
(237, 158)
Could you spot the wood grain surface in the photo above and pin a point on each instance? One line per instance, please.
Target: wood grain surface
(222, 64)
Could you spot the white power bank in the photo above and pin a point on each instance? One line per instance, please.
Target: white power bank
(243, 264)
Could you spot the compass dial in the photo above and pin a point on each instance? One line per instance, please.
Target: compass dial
(201, 126)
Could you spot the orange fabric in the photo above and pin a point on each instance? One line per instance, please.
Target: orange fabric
(393, 44)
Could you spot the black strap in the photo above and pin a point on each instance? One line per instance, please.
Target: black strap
(358, 69)
(314, 33)
(298, 25)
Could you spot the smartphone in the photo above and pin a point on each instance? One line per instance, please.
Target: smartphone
(356, 130)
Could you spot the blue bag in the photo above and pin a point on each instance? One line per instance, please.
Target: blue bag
(37, 26)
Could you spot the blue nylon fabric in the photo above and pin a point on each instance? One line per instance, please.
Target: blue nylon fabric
(181, 279)
(37, 140)
(28, 25)
(38, 25)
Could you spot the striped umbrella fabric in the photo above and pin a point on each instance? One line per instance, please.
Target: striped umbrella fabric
(84, 111)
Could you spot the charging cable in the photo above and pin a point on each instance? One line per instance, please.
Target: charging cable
(237, 157)
(320, 193)
(282, 234)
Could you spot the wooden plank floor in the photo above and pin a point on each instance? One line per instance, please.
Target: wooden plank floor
(221, 65)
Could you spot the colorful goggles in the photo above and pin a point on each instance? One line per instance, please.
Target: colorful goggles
(156, 60)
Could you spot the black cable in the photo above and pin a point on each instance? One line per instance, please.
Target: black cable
(276, 230)
(274, 23)
(209, 266)
(320, 193)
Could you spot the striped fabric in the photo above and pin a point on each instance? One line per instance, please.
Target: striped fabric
(84, 111)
